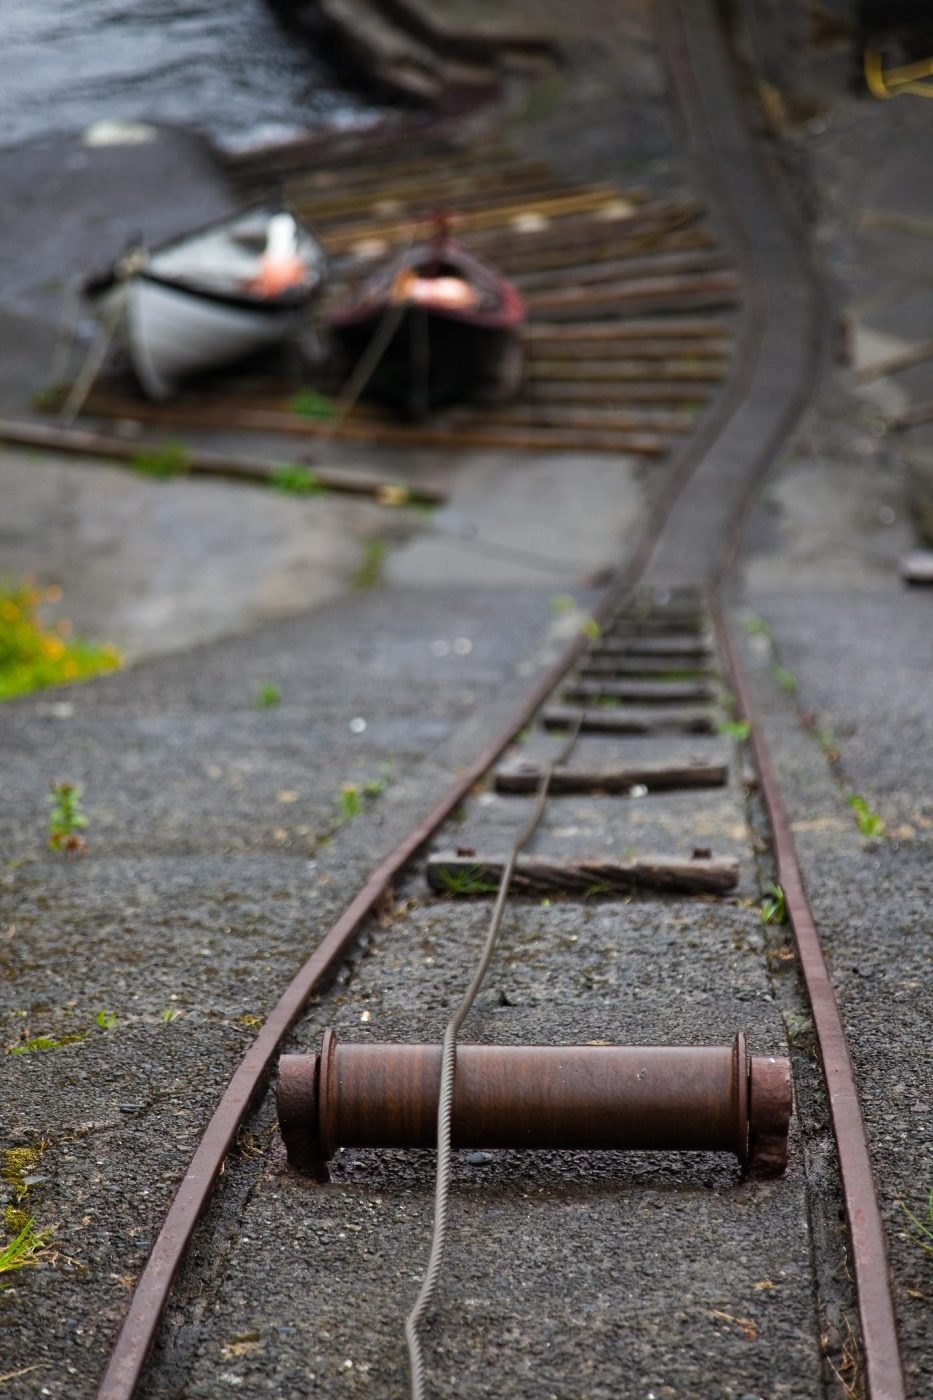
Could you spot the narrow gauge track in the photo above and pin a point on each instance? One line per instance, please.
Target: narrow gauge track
(681, 562)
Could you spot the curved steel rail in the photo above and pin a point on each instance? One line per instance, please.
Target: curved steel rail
(721, 463)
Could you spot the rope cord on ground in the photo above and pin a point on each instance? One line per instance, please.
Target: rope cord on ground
(448, 1068)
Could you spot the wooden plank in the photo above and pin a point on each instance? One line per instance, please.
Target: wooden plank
(446, 180)
(198, 462)
(689, 647)
(603, 416)
(421, 205)
(236, 416)
(644, 289)
(628, 371)
(697, 328)
(611, 270)
(641, 692)
(452, 874)
(525, 777)
(586, 200)
(514, 258)
(683, 397)
(595, 720)
(627, 348)
(613, 306)
(682, 668)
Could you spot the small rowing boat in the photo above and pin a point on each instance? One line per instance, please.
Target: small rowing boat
(209, 298)
(434, 325)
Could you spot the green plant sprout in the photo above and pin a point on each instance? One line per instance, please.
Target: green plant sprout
(785, 678)
(734, 728)
(757, 627)
(869, 823)
(105, 1019)
(469, 881)
(354, 796)
(295, 480)
(773, 906)
(46, 1042)
(308, 403)
(66, 818)
(268, 696)
(27, 1247)
(367, 575)
(163, 463)
(350, 801)
(924, 1237)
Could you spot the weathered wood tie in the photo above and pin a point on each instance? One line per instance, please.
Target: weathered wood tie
(644, 692)
(659, 667)
(689, 647)
(466, 875)
(216, 464)
(525, 777)
(628, 721)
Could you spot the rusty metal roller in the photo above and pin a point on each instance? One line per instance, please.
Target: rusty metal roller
(641, 1098)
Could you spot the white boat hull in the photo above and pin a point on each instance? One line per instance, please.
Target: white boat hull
(169, 333)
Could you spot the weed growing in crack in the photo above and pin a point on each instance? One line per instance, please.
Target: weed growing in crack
(923, 1238)
(163, 463)
(773, 906)
(66, 818)
(268, 696)
(370, 570)
(734, 729)
(26, 1247)
(465, 882)
(869, 823)
(296, 480)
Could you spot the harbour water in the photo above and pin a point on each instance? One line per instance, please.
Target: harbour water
(223, 66)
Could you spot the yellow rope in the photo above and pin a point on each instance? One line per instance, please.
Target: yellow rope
(894, 82)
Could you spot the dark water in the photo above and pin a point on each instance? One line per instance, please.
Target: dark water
(224, 66)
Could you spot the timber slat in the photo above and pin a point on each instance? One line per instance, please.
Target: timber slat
(615, 270)
(654, 328)
(627, 348)
(582, 201)
(669, 648)
(595, 720)
(263, 420)
(684, 397)
(650, 289)
(593, 666)
(525, 777)
(215, 464)
(452, 874)
(609, 371)
(641, 692)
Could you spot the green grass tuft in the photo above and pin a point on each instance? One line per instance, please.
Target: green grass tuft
(66, 818)
(310, 404)
(295, 480)
(869, 823)
(25, 1248)
(773, 906)
(268, 696)
(163, 463)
